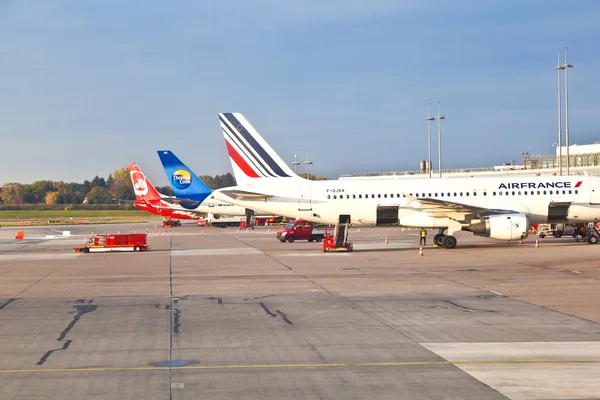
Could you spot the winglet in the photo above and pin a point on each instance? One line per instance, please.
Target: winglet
(410, 199)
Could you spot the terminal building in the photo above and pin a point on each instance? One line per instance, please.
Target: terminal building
(582, 159)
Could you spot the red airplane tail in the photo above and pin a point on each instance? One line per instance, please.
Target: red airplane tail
(144, 191)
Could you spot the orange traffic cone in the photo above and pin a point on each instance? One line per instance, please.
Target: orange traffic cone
(520, 242)
(421, 250)
(386, 240)
(372, 229)
(537, 243)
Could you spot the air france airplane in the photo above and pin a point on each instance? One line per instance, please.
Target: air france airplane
(496, 207)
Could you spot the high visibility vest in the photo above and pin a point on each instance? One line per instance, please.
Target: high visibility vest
(423, 233)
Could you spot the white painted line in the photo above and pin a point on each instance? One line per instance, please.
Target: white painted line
(498, 293)
(43, 256)
(216, 252)
(382, 245)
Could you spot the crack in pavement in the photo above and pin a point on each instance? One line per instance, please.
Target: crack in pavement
(81, 310)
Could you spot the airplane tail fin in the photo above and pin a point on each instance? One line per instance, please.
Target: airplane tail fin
(144, 191)
(184, 182)
(251, 156)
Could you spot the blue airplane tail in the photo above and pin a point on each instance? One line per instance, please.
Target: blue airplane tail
(185, 184)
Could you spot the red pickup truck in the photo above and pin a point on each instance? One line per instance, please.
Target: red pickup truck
(299, 229)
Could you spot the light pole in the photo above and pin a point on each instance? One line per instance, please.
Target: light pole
(525, 154)
(295, 164)
(566, 67)
(439, 120)
(429, 119)
(307, 163)
(559, 67)
(556, 145)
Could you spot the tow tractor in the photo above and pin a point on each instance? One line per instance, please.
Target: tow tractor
(114, 242)
(336, 239)
(589, 233)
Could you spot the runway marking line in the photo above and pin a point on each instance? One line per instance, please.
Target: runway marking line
(321, 365)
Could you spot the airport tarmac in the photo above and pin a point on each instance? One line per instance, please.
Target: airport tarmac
(225, 314)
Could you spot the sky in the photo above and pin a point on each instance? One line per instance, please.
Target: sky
(87, 87)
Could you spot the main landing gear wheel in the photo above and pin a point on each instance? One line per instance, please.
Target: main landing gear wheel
(439, 239)
(449, 242)
(592, 239)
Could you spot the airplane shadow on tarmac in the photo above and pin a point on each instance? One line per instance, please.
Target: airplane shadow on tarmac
(469, 246)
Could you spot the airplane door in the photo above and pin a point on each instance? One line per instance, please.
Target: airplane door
(304, 203)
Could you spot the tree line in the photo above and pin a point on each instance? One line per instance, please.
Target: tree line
(117, 187)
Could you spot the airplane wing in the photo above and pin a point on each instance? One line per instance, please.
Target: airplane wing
(443, 208)
(244, 195)
(198, 213)
(182, 202)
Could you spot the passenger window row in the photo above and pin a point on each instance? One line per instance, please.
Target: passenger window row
(455, 194)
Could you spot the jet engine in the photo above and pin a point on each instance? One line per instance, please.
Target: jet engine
(502, 226)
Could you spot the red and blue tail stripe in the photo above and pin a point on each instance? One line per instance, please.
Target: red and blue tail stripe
(247, 153)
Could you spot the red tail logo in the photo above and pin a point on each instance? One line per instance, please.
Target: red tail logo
(139, 183)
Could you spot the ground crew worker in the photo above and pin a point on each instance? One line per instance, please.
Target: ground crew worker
(423, 240)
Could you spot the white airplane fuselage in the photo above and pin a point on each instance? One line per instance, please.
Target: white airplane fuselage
(324, 201)
(210, 206)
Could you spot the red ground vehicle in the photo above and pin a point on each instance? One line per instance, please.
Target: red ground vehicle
(333, 241)
(171, 222)
(336, 239)
(263, 221)
(299, 230)
(115, 242)
(243, 224)
(203, 222)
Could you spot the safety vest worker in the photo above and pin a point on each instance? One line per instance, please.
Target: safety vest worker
(423, 240)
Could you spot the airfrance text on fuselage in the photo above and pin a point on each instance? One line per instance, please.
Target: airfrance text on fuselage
(539, 185)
